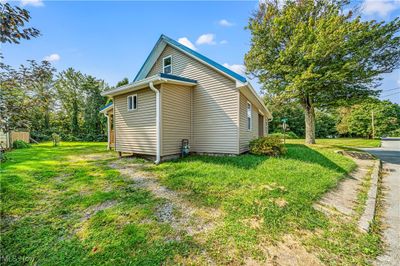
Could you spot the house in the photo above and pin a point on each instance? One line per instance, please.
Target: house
(180, 94)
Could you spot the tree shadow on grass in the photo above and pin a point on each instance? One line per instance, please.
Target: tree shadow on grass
(248, 161)
(303, 153)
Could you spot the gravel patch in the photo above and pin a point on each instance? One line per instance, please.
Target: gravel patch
(175, 210)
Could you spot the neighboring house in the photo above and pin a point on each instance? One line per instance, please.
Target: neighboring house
(180, 94)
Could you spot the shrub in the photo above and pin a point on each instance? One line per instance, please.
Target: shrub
(394, 133)
(270, 145)
(20, 144)
(288, 135)
(56, 139)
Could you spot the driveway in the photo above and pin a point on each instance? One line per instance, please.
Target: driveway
(389, 153)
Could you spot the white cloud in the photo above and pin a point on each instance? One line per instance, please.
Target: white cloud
(225, 23)
(185, 41)
(240, 69)
(52, 58)
(380, 7)
(207, 38)
(32, 3)
(223, 42)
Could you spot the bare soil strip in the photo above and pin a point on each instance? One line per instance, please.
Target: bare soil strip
(343, 198)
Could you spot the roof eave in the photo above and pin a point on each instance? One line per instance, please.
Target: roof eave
(253, 91)
(156, 79)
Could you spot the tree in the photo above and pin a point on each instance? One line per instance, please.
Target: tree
(325, 124)
(123, 82)
(386, 118)
(69, 89)
(39, 84)
(289, 110)
(94, 122)
(12, 21)
(309, 51)
(14, 102)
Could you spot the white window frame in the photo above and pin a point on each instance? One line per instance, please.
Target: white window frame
(249, 123)
(163, 61)
(133, 102)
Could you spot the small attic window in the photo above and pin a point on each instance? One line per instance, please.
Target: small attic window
(167, 65)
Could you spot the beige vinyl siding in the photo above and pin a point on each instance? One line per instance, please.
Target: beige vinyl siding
(215, 102)
(176, 117)
(136, 130)
(245, 135)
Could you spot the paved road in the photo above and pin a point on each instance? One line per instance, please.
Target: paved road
(389, 153)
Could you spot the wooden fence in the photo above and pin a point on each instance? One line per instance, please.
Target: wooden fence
(19, 136)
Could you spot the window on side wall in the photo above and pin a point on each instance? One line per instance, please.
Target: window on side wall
(132, 102)
(249, 115)
(167, 65)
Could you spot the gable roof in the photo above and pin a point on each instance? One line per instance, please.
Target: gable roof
(159, 47)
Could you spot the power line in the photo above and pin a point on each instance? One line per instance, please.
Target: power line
(391, 94)
(391, 89)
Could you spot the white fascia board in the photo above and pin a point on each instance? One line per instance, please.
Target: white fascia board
(156, 79)
(105, 110)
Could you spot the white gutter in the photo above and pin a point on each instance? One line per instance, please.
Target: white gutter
(156, 79)
(158, 126)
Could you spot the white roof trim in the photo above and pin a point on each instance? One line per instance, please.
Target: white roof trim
(156, 79)
(105, 110)
(158, 51)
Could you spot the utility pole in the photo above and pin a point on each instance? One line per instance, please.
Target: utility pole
(373, 124)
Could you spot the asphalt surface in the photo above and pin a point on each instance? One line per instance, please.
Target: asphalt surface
(389, 153)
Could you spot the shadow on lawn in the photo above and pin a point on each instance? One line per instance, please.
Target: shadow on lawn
(303, 153)
(248, 161)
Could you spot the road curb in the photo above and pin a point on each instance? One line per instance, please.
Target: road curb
(370, 206)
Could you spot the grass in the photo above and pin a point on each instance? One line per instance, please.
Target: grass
(46, 193)
(343, 142)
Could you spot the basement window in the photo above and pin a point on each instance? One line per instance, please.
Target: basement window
(167, 65)
(132, 102)
(249, 115)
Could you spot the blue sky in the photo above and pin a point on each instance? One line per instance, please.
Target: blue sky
(111, 40)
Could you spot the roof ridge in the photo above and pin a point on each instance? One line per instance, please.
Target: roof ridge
(193, 53)
(205, 58)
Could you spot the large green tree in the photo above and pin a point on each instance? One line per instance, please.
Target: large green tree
(312, 52)
(94, 122)
(70, 93)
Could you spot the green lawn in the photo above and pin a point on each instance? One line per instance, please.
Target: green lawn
(343, 142)
(48, 193)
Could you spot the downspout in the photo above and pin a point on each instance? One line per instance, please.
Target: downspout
(158, 127)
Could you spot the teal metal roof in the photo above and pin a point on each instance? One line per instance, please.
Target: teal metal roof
(175, 77)
(194, 54)
(104, 107)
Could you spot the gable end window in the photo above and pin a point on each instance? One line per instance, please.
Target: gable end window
(249, 116)
(167, 65)
(132, 102)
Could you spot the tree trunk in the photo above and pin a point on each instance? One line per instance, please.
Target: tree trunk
(309, 115)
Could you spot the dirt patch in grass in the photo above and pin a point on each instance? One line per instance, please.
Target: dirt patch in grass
(180, 214)
(290, 252)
